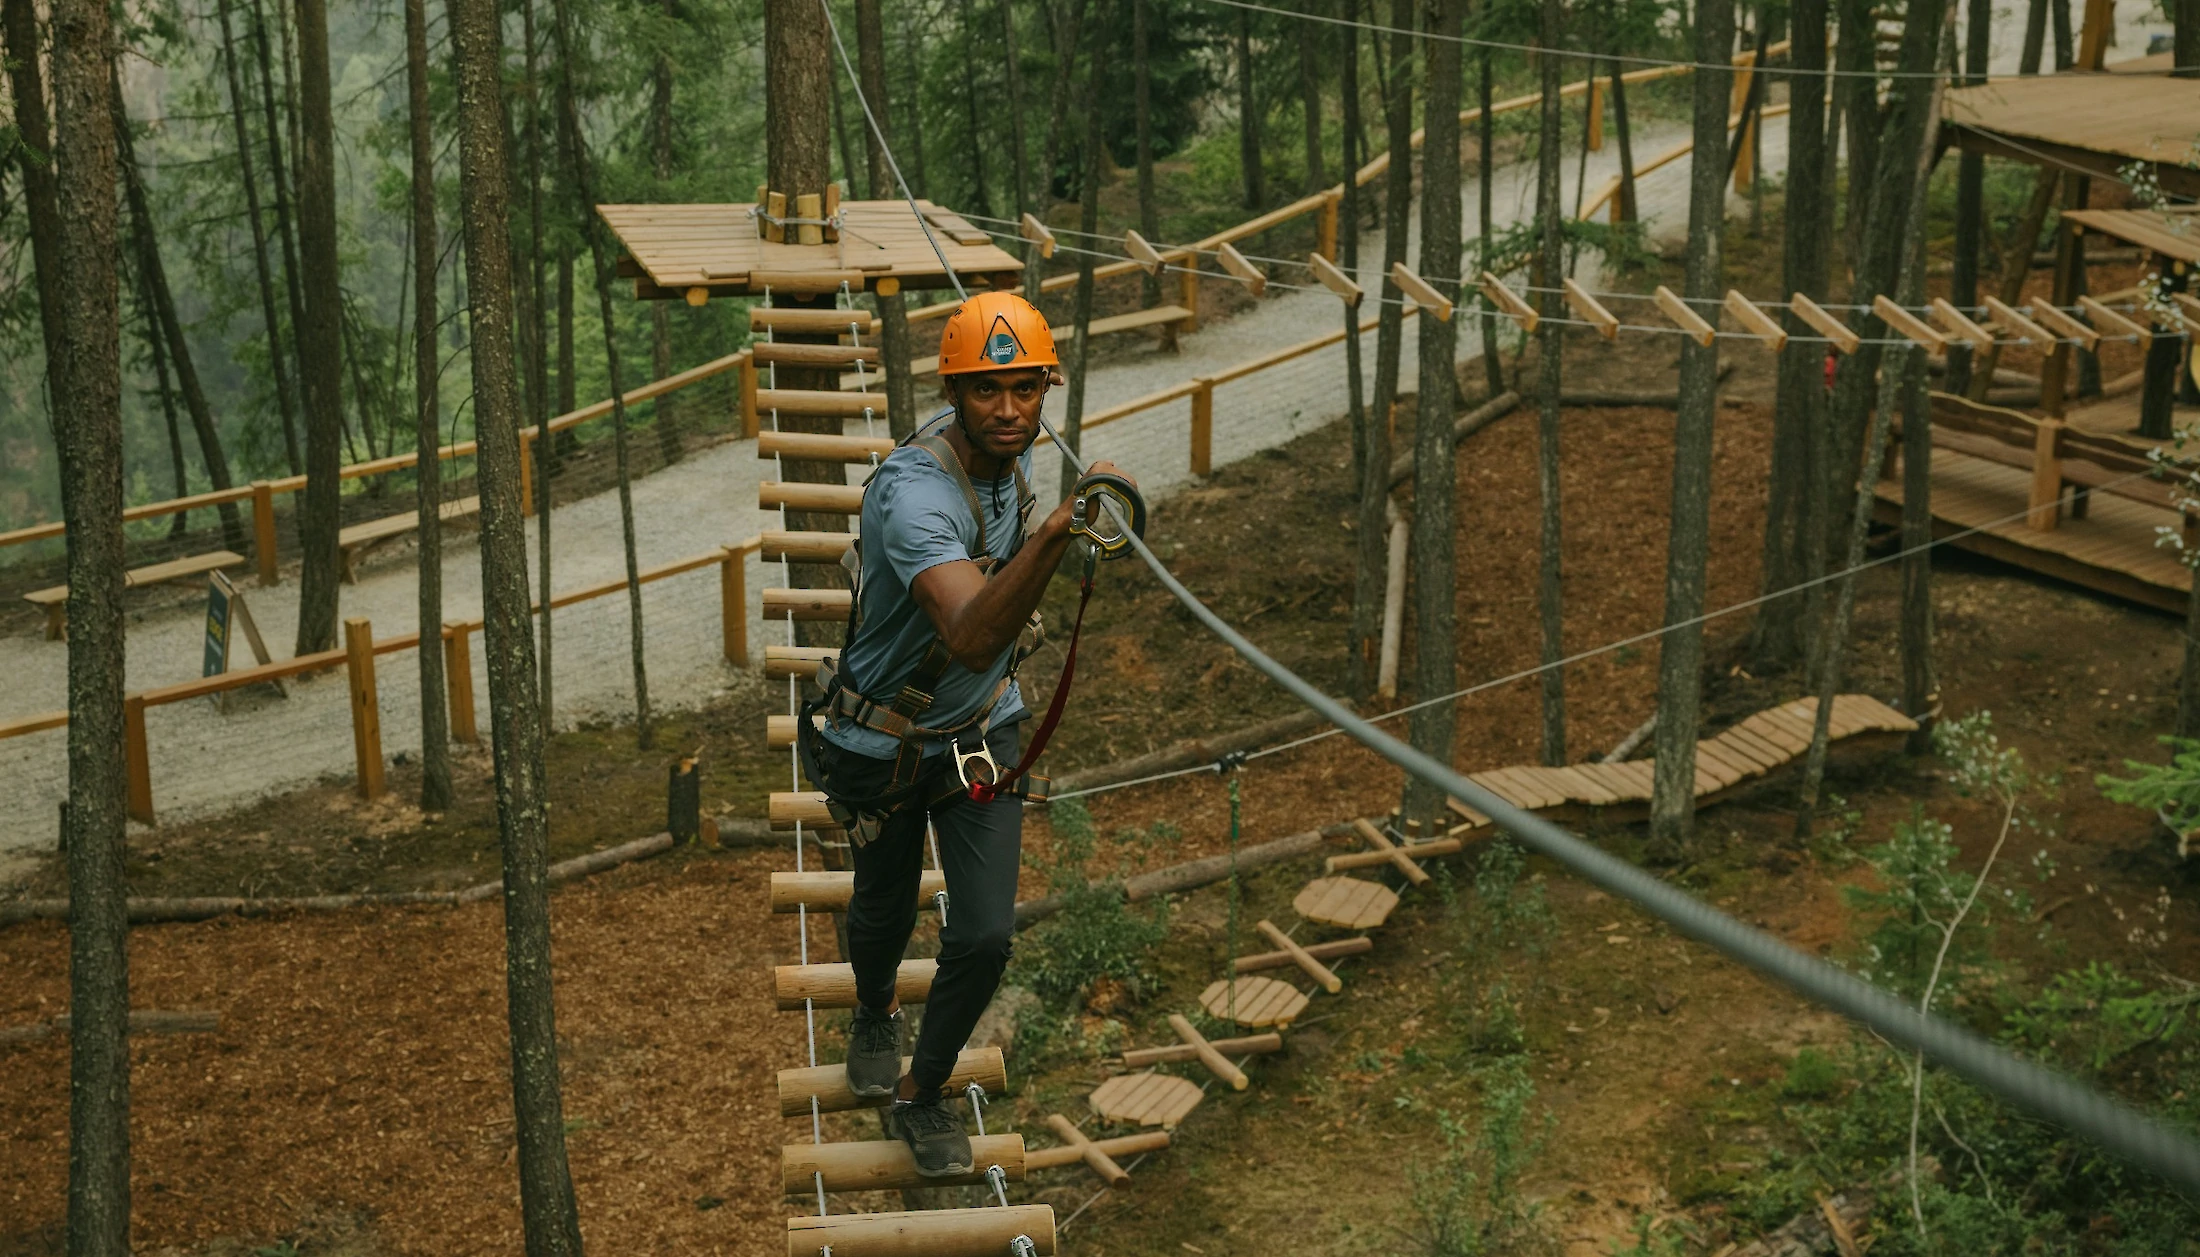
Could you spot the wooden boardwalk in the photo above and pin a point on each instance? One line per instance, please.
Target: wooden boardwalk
(2112, 548)
(1766, 741)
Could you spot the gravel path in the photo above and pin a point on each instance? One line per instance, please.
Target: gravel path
(206, 761)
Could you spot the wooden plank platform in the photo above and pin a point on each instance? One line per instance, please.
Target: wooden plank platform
(2112, 549)
(718, 248)
(1763, 743)
(1145, 1099)
(1260, 1002)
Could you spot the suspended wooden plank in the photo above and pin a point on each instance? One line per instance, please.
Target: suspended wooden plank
(887, 1165)
(830, 402)
(809, 322)
(1908, 325)
(788, 808)
(1257, 1001)
(1684, 317)
(804, 547)
(824, 890)
(1755, 321)
(2065, 325)
(1345, 902)
(828, 1084)
(2008, 319)
(927, 1233)
(1376, 859)
(1508, 302)
(1591, 310)
(821, 447)
(1038, 233)
(1143, 253)
(1335, 280)
(797, 661)
(1145, 1099)
(1843, 336)
(842, 499)
(779, 730)
(806, 604)
(1961, 324)
(1421, 292)
(834, 985)
(1256, 280)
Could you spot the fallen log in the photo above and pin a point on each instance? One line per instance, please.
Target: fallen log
(1193, 874)
(1468, 424)
(1188, 753)
(142, 1021)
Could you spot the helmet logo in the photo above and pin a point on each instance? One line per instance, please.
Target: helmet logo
(1001, 345)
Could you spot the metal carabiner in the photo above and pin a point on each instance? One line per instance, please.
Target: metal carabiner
(989, 768)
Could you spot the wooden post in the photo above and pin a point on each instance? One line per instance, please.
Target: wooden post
(1102, 1164)
(1326, 228)
(1187, 292)
(2100, 22)
(733, 605)
(748, 396)
(366, 715)
(526, 472)
(1203, 428)
(458, 677)
(136, 762)
(1745, 165)
(1216, 1063)
(1595, 138)
(2046, 497)
(263, 531)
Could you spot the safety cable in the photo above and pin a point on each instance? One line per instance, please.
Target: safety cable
(1575, 55)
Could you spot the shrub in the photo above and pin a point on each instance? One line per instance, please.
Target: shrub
(2171, 791)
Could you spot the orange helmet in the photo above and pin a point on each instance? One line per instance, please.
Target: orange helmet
(995, 331)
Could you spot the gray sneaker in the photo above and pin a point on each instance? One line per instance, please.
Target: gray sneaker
(874, 1054)
(934, 1135)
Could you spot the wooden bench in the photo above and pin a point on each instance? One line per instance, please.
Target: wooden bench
(55, 601)
(353, 543)
(2058, 456)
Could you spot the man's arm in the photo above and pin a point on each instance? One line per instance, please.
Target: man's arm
(978, 618)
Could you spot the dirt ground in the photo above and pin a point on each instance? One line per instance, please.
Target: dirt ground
(355, 1098)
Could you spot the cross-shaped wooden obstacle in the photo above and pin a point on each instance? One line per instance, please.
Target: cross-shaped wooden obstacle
(1335, 950)
(1102, 1164)
(1250, 1045)
(1120, 1146)
(1388, 852)
(1216, 1063)
(1304, 959)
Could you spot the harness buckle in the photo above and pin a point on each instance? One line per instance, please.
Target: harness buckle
(988, 771)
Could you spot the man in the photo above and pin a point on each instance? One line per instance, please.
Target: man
(924, 703)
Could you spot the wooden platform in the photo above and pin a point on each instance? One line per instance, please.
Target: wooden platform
(673, 250)
(1145, 1099)
(2111, 549)
(2089, 123)
(1758, 745)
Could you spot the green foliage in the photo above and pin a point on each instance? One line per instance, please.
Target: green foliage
(2096, 1016)
(2171, 791)
(1812, 1075)
(1654, 1236)
(1096, 935)
(1468, 1204)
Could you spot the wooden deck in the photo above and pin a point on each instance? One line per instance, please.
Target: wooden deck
(2112, 549)
(717, 250)
(1762, 744)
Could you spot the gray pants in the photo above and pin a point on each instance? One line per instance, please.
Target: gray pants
(981, 848)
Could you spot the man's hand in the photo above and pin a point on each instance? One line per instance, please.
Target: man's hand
(1060, 516)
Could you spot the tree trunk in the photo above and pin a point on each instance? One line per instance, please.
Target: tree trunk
(893, 316)
(1435, 471)
(2188, 680)
(1551, 341)
(976, 151)
(1256, 188)
(1149, 208)
(27, 94)
(320, 337)
(668, 408)
(164, 308)
(1019, 156)
(156, 346)
(568, 386)
(435, 716)
(2065, 50)
(1680, 651)
(2035, 38)
(2165, 359)
(912, 157)
(1397, 226)
(1068, 39)
(1628, 210)
(1920, 691)
(2185, 38)
(1310, 103)
(1898, 211)
(86, 379)
(600, 255)
(1493, 365)
(1970, 203)
(250, 179)
(532, 354)
(549, 1212)
(279, 178)
(1855, 52)
(1088, 221)
(1799, 405)
(1370, 441)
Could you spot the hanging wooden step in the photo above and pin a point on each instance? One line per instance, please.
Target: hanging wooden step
(927, 1233)
(806, 604)
(1121, 1146)
(1259, 1002)
(1206, 1054)
(809, 322)
(804, 547)
(804, 807)
(816, 401)
(1177, 1053)
(1092, 1154)
(1306, 961)
(797, 661)
(1345, 902)
(886, 1165)
(1146, 1099)
(764, 353)
(1320, 951)
(779, 730)
(844, 499)
(1377, 839)
(1376, 859)
(828, 1084)
(827, 891)
(834, 985)
(823, 447)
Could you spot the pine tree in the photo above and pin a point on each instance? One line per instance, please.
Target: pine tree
(320, 336)
(435, 716)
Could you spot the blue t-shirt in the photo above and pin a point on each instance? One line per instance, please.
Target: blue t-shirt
(915, 518)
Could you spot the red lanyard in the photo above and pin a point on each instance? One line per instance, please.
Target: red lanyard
(985, 792)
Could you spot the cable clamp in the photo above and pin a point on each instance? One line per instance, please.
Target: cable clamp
(1230, 763)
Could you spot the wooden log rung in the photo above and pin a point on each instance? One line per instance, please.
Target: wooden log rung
(809, 322)
(822, 447)
(779, 730)
(842, 499)
(886, 1165)
(806, 604)
(797, 661)
(834, 985)
(767, 352)
(828, 891)
(828, 1084)
(789, 808)
(804, 547)
(927, 1233)
(831, 402)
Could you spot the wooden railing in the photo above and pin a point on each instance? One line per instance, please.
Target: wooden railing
(357, 657)
(2057, 456)
(262, 493)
